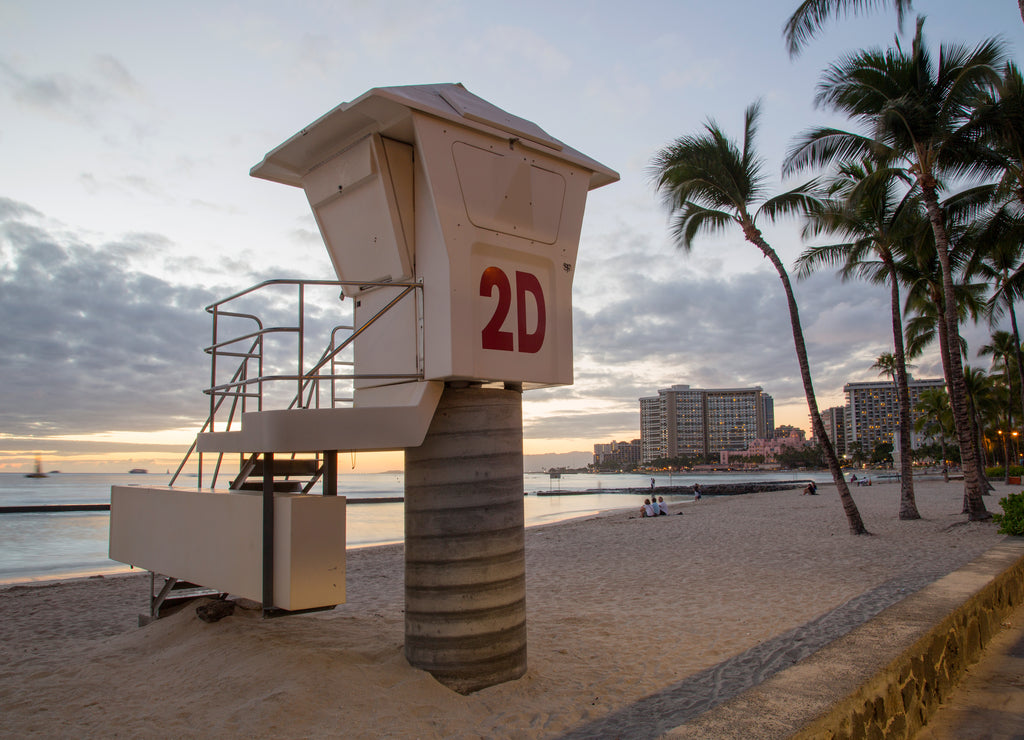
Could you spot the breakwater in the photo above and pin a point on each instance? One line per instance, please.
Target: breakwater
(709, 489)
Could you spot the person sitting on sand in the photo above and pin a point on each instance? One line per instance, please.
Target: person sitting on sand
(811, 489)
(647, 509)
(662, 507)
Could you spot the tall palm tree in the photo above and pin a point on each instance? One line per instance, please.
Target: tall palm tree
(998, 237)
(811, 15)
(708, 184)
(920, 271)
(982, 405)
(935, 420)
(869, 207)
(917, 113)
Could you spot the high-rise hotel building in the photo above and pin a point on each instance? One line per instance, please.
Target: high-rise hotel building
(682, 421)
(872, 411)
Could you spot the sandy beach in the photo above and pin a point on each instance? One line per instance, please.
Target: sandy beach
(635, 625)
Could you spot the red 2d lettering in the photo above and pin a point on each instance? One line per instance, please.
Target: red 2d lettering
(526, 283)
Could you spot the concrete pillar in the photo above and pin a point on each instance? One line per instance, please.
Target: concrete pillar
(465, 564)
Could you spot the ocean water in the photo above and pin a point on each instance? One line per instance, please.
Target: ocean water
(46, 546)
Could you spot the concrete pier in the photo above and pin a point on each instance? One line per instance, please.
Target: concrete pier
(465, 565)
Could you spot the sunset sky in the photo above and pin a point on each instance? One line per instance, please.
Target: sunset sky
(127, 131)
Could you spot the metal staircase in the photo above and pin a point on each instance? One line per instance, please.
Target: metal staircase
(251, 373)
(277, 421)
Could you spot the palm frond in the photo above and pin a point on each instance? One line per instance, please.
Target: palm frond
(811, 15)
(691, 220)
(802, 199)
(820, 147)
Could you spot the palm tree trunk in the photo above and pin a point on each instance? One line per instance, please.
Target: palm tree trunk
(980, 451)
(908, 505)
(1016, 348)
(1006, 455)
(976, 510)
(944, 354)
(853, 517)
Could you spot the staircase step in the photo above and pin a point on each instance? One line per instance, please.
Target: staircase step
(299, 467)
(280, 486)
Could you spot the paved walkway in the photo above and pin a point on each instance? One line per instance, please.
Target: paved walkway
(679, 703)
(989, 702)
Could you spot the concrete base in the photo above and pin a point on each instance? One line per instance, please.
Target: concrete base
(465, 565)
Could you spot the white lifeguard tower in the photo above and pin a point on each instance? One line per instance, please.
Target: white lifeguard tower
(453, 227)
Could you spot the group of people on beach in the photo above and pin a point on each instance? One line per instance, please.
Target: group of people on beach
(654, 507)
(657, 507)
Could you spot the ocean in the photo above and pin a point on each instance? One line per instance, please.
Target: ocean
(38, 547)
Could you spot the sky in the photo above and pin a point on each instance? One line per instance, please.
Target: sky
(127, 131)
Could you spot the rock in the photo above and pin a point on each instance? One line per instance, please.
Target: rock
(214, 611)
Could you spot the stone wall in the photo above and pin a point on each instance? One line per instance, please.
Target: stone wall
(897, 701)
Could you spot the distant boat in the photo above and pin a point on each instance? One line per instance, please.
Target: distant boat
(138, 471)
(39, 470)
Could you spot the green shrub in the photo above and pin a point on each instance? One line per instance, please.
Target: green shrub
(995, 473)
(1011, 521)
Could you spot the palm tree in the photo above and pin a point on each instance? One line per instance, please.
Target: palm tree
(811, 15)
(888, 365)
(936, 420)
(998, 242)
(982, 405)
(708, 184)
(998, 237)
(869, 208)
(919, 270)
(918, 115)
(999, 118)
(1003, 349)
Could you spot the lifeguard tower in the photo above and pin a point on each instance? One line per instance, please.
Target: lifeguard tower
(453, 227)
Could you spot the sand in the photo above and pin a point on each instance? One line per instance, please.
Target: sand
(635, 625)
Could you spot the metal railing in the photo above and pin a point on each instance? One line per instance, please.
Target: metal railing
(244, 376)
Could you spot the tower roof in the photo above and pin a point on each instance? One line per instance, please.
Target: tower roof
(387, 110)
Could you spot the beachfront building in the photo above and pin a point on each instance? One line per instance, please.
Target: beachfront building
(792, 438)
(625, 454)
(871, 413)
(653, 439)
(697, 422)
(769, 415)
(834, 420)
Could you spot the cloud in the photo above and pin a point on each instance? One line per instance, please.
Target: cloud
(116, 75)
(92, 343)
(69, 96)
(709, 332)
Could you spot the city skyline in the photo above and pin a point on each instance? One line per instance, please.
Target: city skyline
(126, 205)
